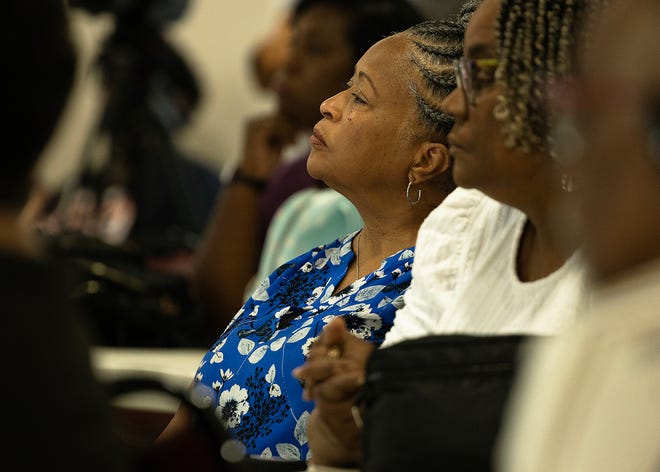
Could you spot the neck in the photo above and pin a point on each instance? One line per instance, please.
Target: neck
(536, 190)
(381, 238)
(391, 223)
(544, 245)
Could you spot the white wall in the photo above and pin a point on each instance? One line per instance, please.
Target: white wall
(216, 37)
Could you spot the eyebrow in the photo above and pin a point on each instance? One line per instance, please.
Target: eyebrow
(365, 76)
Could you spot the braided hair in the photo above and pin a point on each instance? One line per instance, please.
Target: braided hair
(537, 42)
(436, 45)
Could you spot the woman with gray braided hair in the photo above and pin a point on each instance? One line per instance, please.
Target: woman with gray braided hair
(382, 144)
(498, 257)
(492, 260)
(422, 54)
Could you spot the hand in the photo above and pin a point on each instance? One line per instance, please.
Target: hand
(333, 375)
(263, 143)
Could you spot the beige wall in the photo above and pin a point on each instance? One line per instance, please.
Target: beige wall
(216, 37)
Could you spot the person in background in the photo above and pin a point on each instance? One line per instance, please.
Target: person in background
(314, 216)
(492, 259)
(54, 414)
(394, 180)
(589, 399)
(269, 53)
(327, 39)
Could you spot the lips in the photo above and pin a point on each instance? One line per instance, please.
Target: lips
(316, 139)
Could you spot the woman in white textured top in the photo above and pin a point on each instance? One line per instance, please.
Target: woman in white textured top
(494, 257)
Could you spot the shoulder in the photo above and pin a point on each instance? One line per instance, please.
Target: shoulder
(445, 229)
(455, 213)
(470, 220)
(317, 256)
(474, 209)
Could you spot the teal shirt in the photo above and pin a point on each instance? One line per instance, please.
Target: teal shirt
(307, 219)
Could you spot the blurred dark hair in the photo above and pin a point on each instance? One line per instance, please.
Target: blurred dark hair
(141, 71)
(40, 66)
(369, 21)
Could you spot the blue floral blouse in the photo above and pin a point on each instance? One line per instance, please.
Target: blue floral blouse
(246, 375)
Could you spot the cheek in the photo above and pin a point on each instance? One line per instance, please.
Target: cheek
(608, 189)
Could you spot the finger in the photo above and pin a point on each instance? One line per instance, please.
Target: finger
(326, 371)
(330, 341)
(314, 372)
(338, 388)
(324, 351)
(335, 333)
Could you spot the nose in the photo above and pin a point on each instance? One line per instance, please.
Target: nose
(330, 107)
(455, 104)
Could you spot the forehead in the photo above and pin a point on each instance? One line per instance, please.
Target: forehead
(387, 54)
(480, 39)
(388, 66)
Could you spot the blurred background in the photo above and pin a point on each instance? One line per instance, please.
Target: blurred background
(216, 39)
(127, 184)
(156, 122)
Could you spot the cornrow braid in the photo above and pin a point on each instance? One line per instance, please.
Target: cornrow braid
(435, 47)
(537, 43)
(436, 44)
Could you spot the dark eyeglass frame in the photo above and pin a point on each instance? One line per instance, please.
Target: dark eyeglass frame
(467, 71)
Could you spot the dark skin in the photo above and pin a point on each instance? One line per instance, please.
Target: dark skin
(372, 105)
(620, 197)
(528, 181)
(232, 235)
(333, 383)
(317, 64)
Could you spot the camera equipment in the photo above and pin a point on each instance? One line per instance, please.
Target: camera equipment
(149, 92)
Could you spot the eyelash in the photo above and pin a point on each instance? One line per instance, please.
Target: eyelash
(356, 97)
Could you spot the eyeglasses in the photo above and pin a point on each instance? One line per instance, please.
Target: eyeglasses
(472, 75)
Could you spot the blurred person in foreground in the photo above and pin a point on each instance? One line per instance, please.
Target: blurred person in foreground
(54, 413)
(381, 143)
(327, 38)
(589, 399)
(492, 259)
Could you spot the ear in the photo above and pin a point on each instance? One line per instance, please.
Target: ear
(430, 162)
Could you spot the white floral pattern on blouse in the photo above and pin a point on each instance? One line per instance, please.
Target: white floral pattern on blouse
(249, 367)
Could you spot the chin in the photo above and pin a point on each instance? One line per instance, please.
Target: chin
(313, 166)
